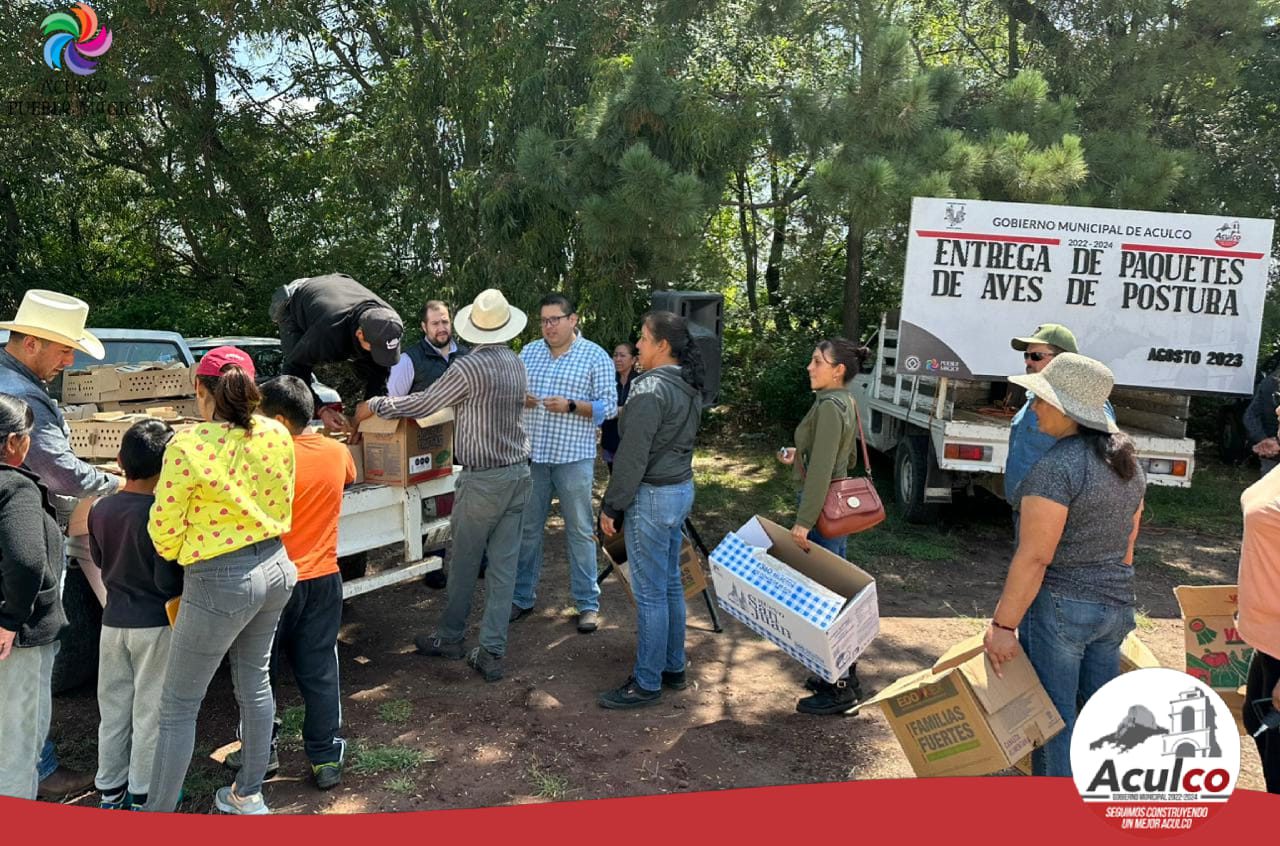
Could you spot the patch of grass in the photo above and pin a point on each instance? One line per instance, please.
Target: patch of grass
(1146, 559)
(291, 723)
(375, 760)
(896, 538)
(547, 785)
(396, 711)
(1211, 505)
(201, 784)
(735, 485)
(401, 784)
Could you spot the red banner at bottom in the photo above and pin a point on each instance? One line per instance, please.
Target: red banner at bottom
(986, 810)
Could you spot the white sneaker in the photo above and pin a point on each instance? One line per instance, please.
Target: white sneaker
(230, 802)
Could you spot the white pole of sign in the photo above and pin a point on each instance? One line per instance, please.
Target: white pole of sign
(940, 409)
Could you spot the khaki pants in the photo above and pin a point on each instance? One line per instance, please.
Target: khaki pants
(26, 707)
(131, 668)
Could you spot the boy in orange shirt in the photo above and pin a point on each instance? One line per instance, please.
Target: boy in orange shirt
(308, 631)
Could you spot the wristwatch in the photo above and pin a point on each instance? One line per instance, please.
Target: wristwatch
(573, 407)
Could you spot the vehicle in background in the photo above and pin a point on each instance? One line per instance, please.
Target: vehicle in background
(268, 357)
(948, 435)
(126, 346)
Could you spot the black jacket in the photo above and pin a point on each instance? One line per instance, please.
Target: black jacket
(31, 560)
(429, 365)
(319, 326)
(1260, 417)
(657, 429)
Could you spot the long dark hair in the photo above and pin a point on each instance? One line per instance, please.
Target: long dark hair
(674, 329)
(235, 396)
(846, 352)
(1118, 450)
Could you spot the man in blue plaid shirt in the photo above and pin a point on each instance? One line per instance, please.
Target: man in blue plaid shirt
(572, 390)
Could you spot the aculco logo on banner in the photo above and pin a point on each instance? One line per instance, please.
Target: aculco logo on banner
(1155, 751)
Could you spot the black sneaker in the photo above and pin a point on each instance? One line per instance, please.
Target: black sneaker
(517, 612)
(838, 698)
(630, 695)
(814, 683)
(434, 647)
(675, 681)
(327, 775)
(485, 663)
(234, 761)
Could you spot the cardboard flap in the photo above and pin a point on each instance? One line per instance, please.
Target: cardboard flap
(1207, 601)
(380, 426)
(827, 569)
(993, 692)
(958, 654)
(110, 416)
(902, 685)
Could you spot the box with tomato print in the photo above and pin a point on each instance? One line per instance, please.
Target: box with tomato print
(1215, 652)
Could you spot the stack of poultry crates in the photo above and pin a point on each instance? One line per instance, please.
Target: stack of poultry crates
(101, 403)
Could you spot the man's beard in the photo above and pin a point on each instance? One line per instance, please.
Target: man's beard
(439, 343)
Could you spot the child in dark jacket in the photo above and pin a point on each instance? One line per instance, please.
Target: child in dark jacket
(134, 647)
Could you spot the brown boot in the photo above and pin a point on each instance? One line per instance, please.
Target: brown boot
(63, 782)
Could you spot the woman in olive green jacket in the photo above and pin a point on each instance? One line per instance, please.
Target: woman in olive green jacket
(825, 442)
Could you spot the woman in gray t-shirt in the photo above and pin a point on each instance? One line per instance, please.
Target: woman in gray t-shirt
(1068, 599)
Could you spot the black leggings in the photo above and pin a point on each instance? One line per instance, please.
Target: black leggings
(1264, 673)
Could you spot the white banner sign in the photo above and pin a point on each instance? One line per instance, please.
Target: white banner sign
(1167, 301)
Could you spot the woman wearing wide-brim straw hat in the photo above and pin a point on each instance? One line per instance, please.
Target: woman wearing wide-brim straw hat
(1068, 599)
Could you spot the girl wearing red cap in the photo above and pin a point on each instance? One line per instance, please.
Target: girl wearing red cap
(223, 500)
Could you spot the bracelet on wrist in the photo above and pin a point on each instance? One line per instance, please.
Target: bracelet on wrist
(1006, 628)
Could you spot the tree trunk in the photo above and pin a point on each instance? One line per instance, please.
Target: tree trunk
(853, 243)
(777, 242)
(750, 253)
(1013, 45)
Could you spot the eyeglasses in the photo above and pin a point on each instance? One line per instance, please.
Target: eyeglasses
(554, 321)
(1026, 356)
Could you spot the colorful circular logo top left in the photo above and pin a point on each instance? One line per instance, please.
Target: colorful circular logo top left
(75, 40)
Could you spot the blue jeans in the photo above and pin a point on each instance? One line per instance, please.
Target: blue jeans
(652, 530)
(834, 545)
(572, 483)
(1074, 647)
(48, 760)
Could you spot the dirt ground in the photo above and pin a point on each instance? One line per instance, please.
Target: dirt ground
(431, 734)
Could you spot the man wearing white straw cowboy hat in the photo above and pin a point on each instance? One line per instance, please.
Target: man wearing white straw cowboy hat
(486, 389)
(43, 339)
(1068, 599)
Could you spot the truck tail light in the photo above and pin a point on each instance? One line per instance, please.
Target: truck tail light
(1166, 467)
(966, 452)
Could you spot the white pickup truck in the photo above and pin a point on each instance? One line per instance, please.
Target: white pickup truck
(948, 435)
(374, 517)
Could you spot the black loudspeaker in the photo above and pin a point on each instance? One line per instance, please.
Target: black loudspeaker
(705, 313)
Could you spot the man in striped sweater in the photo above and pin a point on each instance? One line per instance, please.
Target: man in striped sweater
(486, 389)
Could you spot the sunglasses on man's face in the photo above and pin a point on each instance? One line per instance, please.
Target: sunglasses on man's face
(1029, 356)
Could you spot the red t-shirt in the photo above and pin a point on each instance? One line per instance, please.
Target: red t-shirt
(324, 467)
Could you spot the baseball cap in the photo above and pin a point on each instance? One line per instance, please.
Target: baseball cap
(219, 357)
(1053, 334)
(382, 328)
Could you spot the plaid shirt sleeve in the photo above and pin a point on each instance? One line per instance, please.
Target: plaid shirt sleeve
(604, 390)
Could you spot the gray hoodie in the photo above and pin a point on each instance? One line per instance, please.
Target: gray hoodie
(657, 429)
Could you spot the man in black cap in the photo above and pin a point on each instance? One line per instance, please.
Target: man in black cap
(331, 318)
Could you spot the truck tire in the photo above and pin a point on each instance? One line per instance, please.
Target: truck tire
(77, 661)
(1233, 443)
(910, 469)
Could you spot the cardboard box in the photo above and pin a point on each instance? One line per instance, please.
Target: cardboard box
(959, 719)
(1215, 652)
(692, 574)
(126, 382)
(165, 410)
(818, 608)
(357, 455)
(78, 412)
(405, 452)
(99, 436)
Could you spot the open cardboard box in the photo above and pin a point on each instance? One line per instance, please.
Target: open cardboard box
(959, 719)
(407, 451)
(819, 608)
(1215, 652)
(692, 575)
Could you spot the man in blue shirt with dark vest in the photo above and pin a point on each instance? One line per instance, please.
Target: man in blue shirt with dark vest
(425, 362)
(1027, 444)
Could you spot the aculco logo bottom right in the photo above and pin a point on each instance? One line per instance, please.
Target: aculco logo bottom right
(1156, 752)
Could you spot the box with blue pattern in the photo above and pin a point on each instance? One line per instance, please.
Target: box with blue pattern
(815, 606)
